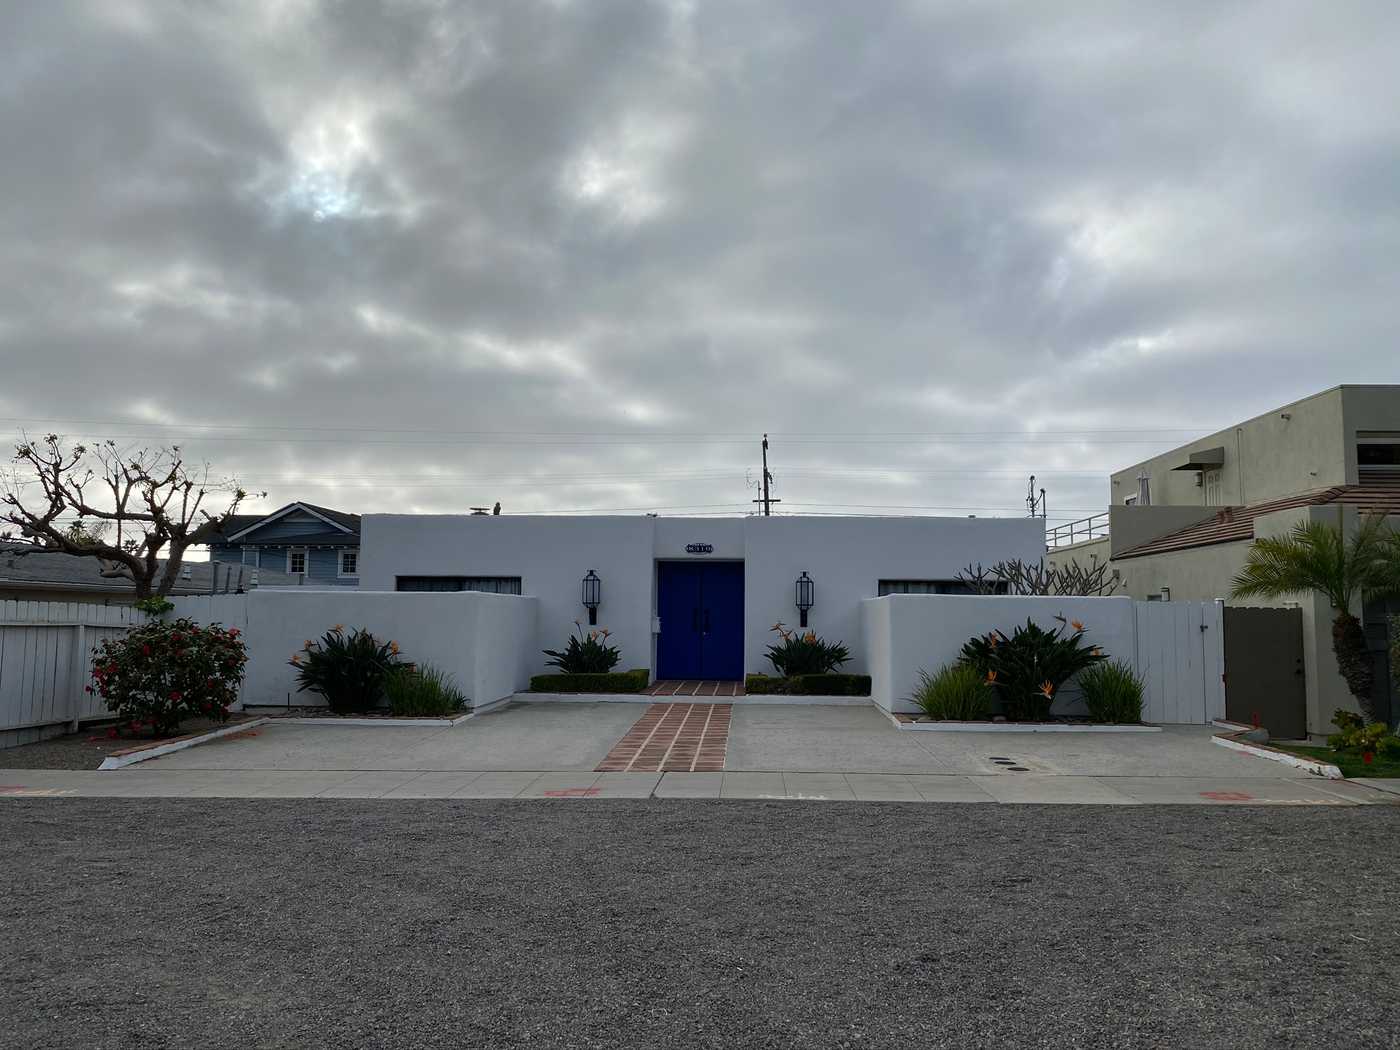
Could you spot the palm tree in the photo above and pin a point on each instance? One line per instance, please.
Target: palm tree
(1317, 557)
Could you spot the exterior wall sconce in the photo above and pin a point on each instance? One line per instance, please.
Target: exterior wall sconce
(1166, 594)
(806, 595)
(592, 595)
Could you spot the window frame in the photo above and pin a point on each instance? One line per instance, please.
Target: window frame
(945, 586)
(305, 553)
(354, 552)
(462, 582)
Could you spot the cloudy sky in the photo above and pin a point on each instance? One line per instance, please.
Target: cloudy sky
(580, 255)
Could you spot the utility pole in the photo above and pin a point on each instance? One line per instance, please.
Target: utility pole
(765, 499)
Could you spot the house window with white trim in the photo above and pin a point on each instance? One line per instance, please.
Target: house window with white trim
(296, 562)
(349, 563)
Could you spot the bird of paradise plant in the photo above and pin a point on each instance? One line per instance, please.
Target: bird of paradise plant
(1030, 666)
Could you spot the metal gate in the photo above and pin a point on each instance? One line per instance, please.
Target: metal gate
(1264, 683)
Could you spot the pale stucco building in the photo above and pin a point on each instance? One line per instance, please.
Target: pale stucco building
(1180, 524)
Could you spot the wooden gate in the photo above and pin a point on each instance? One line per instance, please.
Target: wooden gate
(1179, 656)
(1264, 683)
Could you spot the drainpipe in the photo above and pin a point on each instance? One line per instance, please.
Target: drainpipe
(1239, 463)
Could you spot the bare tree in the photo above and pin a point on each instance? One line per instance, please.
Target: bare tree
(127, 508)
(1022, 577)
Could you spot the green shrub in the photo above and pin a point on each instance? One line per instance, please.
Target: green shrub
(1112, 692)
(633, 681)
(1395, 649)
(1028, 668)
(808, 685)
(805, 654)
(422, 691)
(165, 671)
(957, 693)
(347, 669)
(586, 653)
(1358, 736)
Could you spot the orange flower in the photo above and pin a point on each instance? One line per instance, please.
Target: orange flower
(338, 628)
(1047, 690)
(296, 659)
(394, 648)
(1076, 625)
(810, 636)
(991, 677)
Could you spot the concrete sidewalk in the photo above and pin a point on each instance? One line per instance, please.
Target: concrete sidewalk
(155, 782)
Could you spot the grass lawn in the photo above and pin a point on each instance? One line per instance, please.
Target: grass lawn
(1350, 764)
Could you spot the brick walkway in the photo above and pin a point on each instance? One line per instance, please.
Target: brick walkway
(673, 738)
(690, 687)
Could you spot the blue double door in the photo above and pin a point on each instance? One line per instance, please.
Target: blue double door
(701, 606)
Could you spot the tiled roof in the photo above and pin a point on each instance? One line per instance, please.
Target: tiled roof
(1379, 493)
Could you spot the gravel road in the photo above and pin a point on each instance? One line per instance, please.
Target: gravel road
(186, 923)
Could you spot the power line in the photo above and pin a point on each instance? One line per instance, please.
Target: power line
(586, 433)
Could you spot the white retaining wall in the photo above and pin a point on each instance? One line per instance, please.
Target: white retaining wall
(484, 641)
(1163, 641)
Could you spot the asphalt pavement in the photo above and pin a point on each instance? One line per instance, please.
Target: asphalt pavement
(447, 923)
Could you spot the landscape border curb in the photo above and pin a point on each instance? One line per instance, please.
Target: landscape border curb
(1235, 742)
(1016, 727)
(135, 755)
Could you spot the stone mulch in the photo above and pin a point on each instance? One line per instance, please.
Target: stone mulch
(87, 748)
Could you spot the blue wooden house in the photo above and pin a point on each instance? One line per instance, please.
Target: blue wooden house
(315, 545)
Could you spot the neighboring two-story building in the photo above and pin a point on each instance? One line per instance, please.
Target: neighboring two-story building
(314, 545)
(1181, 523)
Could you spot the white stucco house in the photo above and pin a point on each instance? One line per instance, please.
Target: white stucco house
(689, 597)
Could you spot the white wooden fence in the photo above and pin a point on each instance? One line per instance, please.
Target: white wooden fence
(46, 660)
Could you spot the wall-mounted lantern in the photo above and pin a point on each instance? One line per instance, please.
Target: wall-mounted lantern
(592, 595)
(806, 595)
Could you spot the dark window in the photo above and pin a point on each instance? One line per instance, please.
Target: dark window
(1379, 454)
(488, 584)
(929, 587)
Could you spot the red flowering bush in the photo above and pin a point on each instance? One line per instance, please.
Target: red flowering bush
(169, 670)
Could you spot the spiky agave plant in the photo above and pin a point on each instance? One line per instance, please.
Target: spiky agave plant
(1316, 557)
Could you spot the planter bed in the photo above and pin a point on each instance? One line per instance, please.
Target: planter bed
(633, 681)
(823, 685)
(907, 722)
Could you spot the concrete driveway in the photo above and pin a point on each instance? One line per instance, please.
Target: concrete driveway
(762, 737)
(774, 751)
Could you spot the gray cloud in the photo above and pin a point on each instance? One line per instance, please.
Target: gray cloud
(375, 255)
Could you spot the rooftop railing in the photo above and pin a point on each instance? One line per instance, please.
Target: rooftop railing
(1094, 527)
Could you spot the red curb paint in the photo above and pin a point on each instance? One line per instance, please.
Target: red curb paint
(1228, 796)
